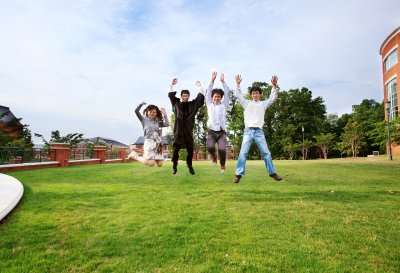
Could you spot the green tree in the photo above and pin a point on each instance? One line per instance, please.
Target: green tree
(324, 142)
(200, 131)
(292, 149)
(379, 134)
(353, 138)
(235, 124)
(367, 114)
(292, 110)
(71, 139)
(308, 144)
(170, 146)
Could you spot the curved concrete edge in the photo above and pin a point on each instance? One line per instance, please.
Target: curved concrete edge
(11, 191)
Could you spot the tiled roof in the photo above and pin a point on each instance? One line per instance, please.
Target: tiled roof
(6, 117)
(108, 141)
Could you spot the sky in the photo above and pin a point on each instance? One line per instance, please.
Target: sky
(82, 66)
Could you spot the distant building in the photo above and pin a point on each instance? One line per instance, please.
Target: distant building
(110, 142)
(138, 146)
(391, 70)
(9, 123)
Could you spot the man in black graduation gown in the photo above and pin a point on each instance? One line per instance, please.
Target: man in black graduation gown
(185, 112)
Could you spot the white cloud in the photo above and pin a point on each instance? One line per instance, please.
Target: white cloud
(83, 66)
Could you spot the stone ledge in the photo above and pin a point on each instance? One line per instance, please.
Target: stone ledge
(29, 166)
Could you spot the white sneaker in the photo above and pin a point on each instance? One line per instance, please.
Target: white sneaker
(222, 169)
(214, 163)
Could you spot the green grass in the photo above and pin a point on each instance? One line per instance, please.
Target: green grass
(325, 216)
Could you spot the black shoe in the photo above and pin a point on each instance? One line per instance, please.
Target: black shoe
(236, 179)
(191, 169)
(174, 169)
(276, 177)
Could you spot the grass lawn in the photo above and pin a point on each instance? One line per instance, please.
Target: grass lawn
(325, 216)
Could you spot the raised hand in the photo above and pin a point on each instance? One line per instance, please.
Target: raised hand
(143, 103)
(163, 111)
(197, 83)
(174, 81)
(213, 76)
(222, 77)
(238, 79)
(274, 81)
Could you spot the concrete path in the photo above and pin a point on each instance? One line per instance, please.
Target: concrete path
(11, 191)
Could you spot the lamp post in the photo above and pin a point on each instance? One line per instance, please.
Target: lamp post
(389, 151)
(302, 129)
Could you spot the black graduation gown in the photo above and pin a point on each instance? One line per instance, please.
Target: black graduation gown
(185, 113)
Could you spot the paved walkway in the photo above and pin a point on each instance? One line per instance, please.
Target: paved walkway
(11, 191)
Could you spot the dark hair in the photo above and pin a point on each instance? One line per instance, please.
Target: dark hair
(184, 91)
(255, 88)
(218, 91)
(153, 107)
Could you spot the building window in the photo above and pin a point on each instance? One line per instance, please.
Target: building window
(391, 89)
(391, 60)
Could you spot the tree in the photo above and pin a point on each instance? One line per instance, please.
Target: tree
(367, 114)
(291, 111)
(235, 124)
(201, 130)
(71, 139)
(292, 148)
(379, 134)
(308, 144)
(324, 142)
(170, 146)
(90, 145)
(353, 137)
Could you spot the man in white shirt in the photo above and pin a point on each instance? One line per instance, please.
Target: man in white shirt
(254, 111)
(217, 106)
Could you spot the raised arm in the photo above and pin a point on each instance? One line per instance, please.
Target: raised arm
(210, 87)
(165, 122)
(199, 100)
(199, 87)
(172, 94)
(239, 94)
(227, 91)
(137, 111)
(274, 92)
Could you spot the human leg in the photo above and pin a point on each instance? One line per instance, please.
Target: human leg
(175, 157)
(222, 151)
(244, 151)
(147, 162)
(159, 163)
(259, 138)
(189, 149)
(211, 140)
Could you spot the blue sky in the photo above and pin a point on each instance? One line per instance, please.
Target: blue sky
(84, 65)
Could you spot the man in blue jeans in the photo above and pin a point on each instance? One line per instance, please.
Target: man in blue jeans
(254, 111)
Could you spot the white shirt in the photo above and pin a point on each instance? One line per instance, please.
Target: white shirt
(217, 112)
(254, 110)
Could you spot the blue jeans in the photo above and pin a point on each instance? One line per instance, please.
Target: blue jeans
(257, 135)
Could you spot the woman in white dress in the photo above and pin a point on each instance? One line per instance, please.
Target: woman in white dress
(152, 122)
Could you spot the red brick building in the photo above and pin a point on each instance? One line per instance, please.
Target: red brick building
(9, 123)
(391, 70)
